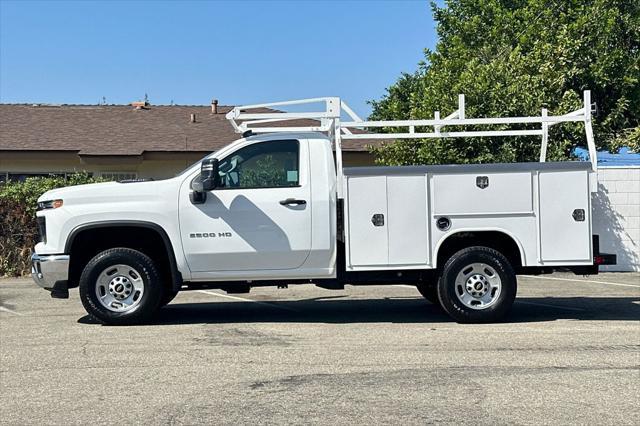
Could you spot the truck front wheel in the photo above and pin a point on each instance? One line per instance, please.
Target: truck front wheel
(429, 292)
(121, 286)
(477, 285)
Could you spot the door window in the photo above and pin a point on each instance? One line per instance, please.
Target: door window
(272, 164)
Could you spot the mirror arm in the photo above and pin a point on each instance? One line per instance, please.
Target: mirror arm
(197, 186)
(197, 197)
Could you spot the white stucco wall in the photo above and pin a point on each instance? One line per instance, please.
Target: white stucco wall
(616, 215)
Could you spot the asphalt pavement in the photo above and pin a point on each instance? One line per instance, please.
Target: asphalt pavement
(569, 353)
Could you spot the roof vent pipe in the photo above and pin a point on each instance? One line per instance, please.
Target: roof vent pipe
(192, 118)
(214, 106)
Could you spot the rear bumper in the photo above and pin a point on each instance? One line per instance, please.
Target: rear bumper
(605, 259)
(47, 270)
(601, 259)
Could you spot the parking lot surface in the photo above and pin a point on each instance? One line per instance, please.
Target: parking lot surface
(568, 353)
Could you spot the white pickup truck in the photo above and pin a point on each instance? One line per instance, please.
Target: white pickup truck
(276, 208)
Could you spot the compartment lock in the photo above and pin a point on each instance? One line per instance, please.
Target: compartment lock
(377, 219)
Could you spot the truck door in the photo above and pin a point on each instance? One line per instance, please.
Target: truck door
(260, 216)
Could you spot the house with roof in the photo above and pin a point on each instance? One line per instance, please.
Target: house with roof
(119, 142)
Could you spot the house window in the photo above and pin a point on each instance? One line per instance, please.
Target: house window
(119, 176)
(21, 177)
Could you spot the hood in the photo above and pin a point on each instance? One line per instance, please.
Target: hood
(105, 191)
(60, 193)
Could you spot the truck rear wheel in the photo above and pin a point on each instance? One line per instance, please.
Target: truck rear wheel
(477, 285)
(121, 286)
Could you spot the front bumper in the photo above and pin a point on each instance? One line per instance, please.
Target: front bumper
(49, 269)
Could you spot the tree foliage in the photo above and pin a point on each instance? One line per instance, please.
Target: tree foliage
(512, 58)
(18, 229)
(264, 173)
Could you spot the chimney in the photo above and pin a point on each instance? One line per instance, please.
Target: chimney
(192, 118)
(214, 106)
(140, 104)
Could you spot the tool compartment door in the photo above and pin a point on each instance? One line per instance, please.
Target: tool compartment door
(407, 207)
(565, 216)
(368, 240)
(482, 193)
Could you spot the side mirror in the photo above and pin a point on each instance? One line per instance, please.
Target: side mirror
(209, 179)
(209, 176)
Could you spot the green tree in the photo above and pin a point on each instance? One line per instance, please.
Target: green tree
(515, 57)
(18, 228)
(264, 173)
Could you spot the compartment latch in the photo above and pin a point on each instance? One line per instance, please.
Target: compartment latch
(377, 219)
(578, 215)
(482, 181)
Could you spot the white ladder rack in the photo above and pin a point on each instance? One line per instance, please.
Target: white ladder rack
(329, 120)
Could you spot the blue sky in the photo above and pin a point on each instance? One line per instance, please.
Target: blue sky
(193, 51)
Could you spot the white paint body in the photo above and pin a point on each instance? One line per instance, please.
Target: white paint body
(533, 205)
(270, 241)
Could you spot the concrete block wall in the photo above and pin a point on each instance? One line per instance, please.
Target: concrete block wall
(616, 215)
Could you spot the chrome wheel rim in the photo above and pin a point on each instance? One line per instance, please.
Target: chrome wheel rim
(478, 286)
(119, 288)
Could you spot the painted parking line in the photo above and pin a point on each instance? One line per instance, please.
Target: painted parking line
(557, 279)
(11, 311)
(242, 299)
(579, 281)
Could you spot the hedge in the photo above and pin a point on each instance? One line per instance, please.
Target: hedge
(18, 228)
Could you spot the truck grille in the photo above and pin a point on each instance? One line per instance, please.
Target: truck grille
(42, 229)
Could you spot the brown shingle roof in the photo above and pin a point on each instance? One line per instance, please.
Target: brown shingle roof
(119, 129)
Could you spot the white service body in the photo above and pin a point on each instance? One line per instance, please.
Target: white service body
(532, 203)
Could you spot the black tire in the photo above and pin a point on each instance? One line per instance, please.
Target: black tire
(429, 292)
(150, 278)
(461, 262)
(167, 297)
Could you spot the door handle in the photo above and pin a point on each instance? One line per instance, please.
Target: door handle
(293, 202)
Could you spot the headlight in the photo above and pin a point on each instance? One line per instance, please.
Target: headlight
(51, 204)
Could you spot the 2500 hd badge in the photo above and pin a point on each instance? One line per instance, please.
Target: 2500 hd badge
(211, 235)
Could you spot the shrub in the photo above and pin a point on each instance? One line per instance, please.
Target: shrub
(18, 229)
